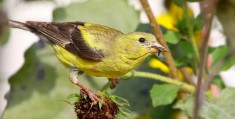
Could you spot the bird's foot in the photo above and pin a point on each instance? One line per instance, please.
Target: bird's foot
(95, 98)
(114, 81)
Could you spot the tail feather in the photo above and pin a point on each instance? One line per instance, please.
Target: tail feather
(20, 25)
(4, 22)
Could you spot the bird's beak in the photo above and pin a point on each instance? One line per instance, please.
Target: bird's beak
(157, 48)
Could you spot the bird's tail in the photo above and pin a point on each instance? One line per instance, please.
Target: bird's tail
(4, 21)
(16, 24)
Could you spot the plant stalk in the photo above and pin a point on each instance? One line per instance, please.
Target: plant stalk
(160, 38)
(208, 11)
(184, 86)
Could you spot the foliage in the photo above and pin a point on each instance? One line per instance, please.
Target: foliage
(163, 94)
(213, 108)
(125, 19)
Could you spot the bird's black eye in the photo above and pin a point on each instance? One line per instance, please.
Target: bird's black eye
(142, 40)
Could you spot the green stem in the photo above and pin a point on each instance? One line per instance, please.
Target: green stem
(195, 47)
(190, 32)
(184, 86)
(106, 86)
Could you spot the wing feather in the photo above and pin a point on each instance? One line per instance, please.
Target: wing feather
(69, 36)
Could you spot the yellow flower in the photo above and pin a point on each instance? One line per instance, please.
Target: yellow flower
(170, 19)
(167, 21)
(189, 70)
(157, 64)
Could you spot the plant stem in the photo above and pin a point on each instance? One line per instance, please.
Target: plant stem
(208, 10)
(160, 38)
(216, 69)
(187, 76)
(190, 31)
(184, 86)
(106, 86)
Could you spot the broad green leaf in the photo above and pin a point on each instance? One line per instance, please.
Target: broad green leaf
(114, 13)
(163, 94)
(218, 54)
(40, 89)
(230, 62)
(172, 37)
(222, 107)
(187, 49)
(186, 105)
(183, 53)
(217, 108)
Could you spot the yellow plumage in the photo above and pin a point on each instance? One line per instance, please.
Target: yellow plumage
(96, 50)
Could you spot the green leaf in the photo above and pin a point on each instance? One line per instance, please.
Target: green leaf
(182, 26)
(198, 23)
(114, 13)
(222, 107)
(218, 54)
(172, 37)
(124, 113)
(119, 101)
(228, 64)
(183, 53)
(179, 3)
(187, 49)
(40, 87)
(186, 105)
(217, 108)
(163, 94)
(74, 95)
(136, 91)
(218, 82)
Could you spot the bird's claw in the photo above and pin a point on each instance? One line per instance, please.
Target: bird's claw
(114, 82)
(94, 97)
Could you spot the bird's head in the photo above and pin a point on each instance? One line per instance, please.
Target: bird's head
(139, 44)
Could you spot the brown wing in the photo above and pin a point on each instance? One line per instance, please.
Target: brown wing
(68, 36)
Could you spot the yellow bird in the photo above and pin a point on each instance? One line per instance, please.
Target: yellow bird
(94, 49)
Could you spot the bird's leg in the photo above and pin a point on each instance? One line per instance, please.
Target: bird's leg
(114, 82)
(74, 72)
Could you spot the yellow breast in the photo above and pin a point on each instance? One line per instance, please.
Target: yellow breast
(109, 67)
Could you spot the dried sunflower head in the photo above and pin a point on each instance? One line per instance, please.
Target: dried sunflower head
(86, 109)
